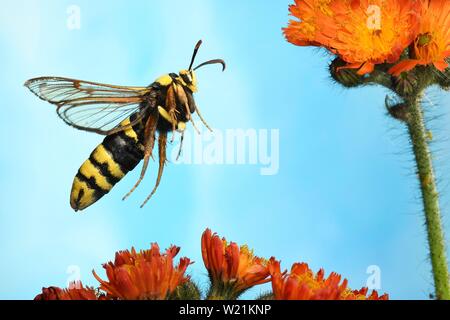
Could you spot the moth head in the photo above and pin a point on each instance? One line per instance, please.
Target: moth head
(190, 79)
(189, 76)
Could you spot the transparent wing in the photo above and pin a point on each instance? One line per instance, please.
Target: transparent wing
(90, 106)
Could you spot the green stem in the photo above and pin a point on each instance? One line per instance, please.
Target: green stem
(430, 195)
(222, 291)
(220, 294)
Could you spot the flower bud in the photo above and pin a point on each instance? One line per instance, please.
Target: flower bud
(349, 78)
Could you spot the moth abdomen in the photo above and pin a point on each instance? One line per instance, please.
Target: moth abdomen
(110, 161)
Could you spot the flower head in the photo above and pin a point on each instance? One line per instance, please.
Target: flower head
(432, 45)
(76, 291)
(147, 274)
(361, 32)
(303, 284)
(232, 268)
(314, 16)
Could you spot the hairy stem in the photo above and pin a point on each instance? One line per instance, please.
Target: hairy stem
(430, 195)
(223, 291)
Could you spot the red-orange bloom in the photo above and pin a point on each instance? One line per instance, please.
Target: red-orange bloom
(144, 275)
(432, 45)
(314, 16)
(302, 284)
(362, 32)
(76, 291)
(230, 265)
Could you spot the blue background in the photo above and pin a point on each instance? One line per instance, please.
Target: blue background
(346, 194)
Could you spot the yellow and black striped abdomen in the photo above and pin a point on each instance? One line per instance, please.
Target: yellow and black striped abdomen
(108, 164)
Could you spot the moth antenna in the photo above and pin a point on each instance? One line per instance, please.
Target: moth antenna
(197, 46)
(215, 61)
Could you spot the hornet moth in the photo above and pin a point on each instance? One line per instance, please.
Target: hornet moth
(131, 118)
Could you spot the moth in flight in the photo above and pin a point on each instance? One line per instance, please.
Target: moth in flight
(131, 118)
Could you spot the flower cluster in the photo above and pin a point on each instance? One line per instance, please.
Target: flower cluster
(303, 284)
(232, 269)
(150, 274)
(366, 33)
(404, 46)
(76, 291)
(143, 275)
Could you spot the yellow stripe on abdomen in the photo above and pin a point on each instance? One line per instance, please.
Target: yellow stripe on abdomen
(88, 170)
(104, 157)
(129, 131)
(81, 196)
(96, 177)
(108, 163)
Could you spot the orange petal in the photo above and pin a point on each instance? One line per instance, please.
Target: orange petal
(403, 66)
(366, 68)
(441, 65)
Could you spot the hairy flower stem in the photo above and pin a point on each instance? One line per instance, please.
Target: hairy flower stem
(221, 292)
(430, 195)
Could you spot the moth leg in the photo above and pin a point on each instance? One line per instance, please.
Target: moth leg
(184, 101)
(162, 143)
(171, 105)
(149, 135)
(165, 114)
(181, 146)
(202, 119)
(192, 119)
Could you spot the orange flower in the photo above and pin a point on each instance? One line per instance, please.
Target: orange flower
(76, 291)
(432, 45)
(361, 32)
(303, 284)
(231, 268)
(314, 15)
(145, 275)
